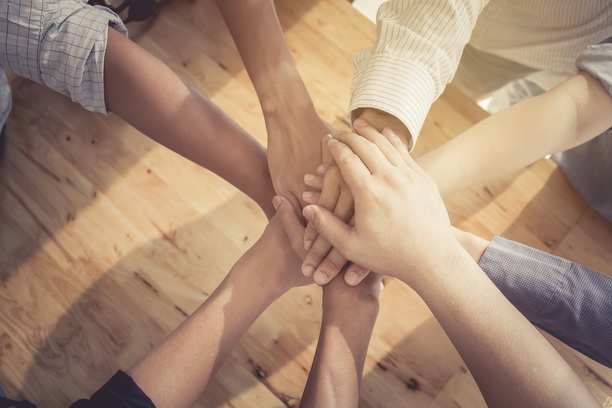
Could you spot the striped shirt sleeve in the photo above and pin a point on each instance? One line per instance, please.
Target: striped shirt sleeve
(416, 54)
(569, 301)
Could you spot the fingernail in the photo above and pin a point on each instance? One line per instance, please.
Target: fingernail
(276, 201)
(308, 213)
(321, 170)
(351, 278)
(308, 245)
(327, 136)
(306, 195)
(309, 177)
(320, 278)
(307, 270)
(360, 123)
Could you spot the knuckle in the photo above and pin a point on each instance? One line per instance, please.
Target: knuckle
(318, 252)
(334, 262)
(350, 159)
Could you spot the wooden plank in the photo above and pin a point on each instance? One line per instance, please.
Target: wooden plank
(98, 220)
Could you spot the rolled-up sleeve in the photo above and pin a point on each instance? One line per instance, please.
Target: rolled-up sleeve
(569, 301)
(416, 54)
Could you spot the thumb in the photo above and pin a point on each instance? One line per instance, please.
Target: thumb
(330, 227)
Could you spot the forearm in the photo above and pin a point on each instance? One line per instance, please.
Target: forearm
(337, 368)
(258, 35)
(176, 372)
(152, 98)
(511, 362)
(574, 112)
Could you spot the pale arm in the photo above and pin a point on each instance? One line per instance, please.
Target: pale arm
(512, 363)
(574, 112)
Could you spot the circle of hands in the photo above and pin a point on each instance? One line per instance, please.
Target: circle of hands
(366, 204)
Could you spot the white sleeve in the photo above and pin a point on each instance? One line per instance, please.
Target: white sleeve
(416, 54)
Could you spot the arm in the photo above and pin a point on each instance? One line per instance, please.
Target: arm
(418, 248)
(149, 96)
(294, 127)
(348, 320)
(572, 113)
(567, 300)
(176, 372)
(349, 315)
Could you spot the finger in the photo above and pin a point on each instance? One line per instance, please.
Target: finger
(311, 197)
(403, 150)
(368, 131)
(355, 274)
(327, 199)
(291, 224)
(323, 168)
(354, 171)
(352, 153)
(330, 227)
(395, 140)
(314, 181)
(329, 268)
(343, 208)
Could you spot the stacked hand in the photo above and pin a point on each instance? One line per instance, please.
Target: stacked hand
(401, 224)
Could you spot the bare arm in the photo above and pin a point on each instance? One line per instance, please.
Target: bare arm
(512, 363)
(149, 96)
(176, 372)
(574, 112)
(294, 127)
(349, 314)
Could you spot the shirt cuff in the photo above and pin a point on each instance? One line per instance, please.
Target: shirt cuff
(401, 88)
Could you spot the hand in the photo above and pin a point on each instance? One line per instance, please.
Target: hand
(401, 224)
(274, 246)
(323, 262)
(294, 149)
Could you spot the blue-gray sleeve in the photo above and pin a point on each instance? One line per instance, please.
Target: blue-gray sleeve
(597, 61)
(571, 302)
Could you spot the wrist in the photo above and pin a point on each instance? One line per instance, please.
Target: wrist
(441, 269)
(283, 91)
(351, 305)
(473, 244)
(428, 264)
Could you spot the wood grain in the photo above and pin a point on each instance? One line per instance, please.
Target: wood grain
(107, 240)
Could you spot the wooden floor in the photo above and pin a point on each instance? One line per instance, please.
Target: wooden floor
(107, 240)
